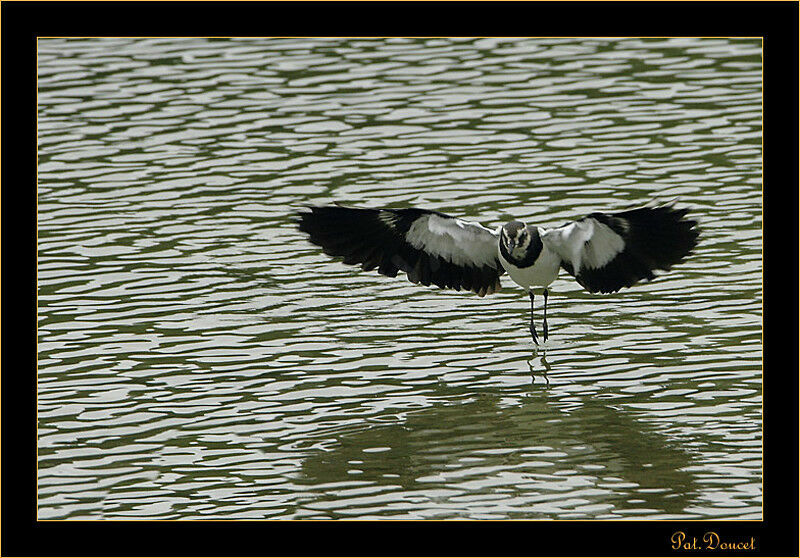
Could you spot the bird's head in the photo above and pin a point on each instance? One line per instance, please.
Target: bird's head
(515, 236)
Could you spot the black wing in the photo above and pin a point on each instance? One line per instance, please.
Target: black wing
(606, 252)
(430, 247)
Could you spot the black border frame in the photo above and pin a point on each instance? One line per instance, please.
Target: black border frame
(22, 22)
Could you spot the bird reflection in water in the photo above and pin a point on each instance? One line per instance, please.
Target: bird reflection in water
(545, 365)
(538, 458)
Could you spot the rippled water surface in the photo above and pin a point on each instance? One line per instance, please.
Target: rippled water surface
(198, 358)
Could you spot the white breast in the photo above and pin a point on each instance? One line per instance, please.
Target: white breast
(543, 272)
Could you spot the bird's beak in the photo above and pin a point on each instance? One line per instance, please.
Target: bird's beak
(511, 244)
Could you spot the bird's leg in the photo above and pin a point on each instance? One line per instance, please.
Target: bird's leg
(533, 327)
(544, 325)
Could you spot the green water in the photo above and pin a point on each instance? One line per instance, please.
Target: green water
(199, 359)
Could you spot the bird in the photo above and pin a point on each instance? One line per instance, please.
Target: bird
(604, 252)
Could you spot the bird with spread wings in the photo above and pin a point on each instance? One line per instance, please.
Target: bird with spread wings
(604, 252)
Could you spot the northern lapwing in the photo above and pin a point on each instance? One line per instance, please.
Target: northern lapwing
(604, 252)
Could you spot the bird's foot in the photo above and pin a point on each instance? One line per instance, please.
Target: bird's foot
(534, 336)
(545, 331)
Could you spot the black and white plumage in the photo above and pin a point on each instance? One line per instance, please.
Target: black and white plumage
(430, 247)
(603, 251)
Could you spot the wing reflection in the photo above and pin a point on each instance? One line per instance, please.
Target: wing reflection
(550, 458)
